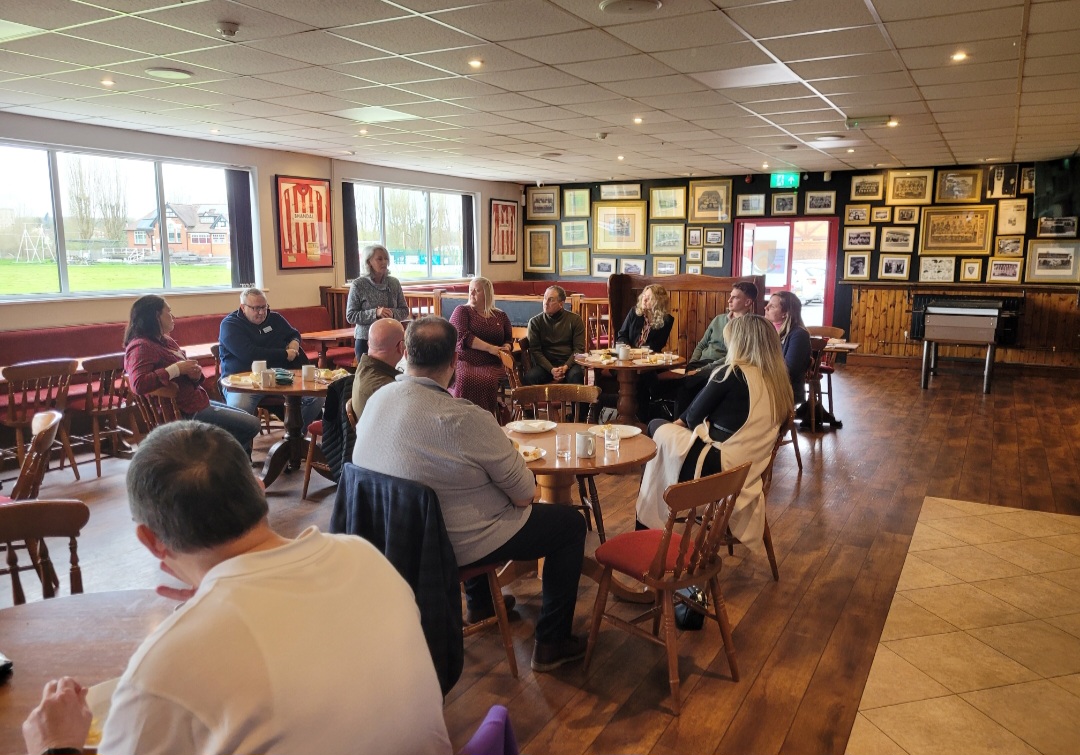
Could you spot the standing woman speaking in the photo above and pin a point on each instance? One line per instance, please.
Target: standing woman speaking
(373, 296)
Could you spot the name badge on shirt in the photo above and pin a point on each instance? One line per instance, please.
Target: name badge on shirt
(268, 328)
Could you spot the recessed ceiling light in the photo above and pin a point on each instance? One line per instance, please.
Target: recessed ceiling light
(829, 138)
(637, 120)
(363, 131)
(172, 74)
(620, 157)
(958, 56)
(765, 166)
(893, 123)
(850, 151)
(788, 147)
(107, 82)
(630, 6)
(476, 63)
(215, 131)
(550, 154)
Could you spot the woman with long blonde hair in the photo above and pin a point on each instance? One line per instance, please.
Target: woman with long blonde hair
(649, 322)
(482, 332)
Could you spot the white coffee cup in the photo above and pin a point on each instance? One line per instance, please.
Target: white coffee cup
(624, 352)
(258, 367)
(309, 372)
(267, 379)
(586, 445)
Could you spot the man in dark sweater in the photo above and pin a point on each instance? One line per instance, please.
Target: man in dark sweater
(555, 336)
(386, 347)
(254, 333)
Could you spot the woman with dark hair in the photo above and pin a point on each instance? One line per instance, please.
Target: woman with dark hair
(784, 311)
(374, 295)
(153, 360)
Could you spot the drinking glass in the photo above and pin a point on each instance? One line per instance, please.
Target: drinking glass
(612, 439)
(562, 446)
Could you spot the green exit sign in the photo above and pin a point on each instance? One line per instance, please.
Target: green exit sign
(784, 180)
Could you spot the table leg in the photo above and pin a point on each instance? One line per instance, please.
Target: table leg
(988, 373)
(627, 406)
(323, 348)
(924, 379)
(288, 453)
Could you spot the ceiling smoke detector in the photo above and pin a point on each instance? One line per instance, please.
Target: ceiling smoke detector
(628, 7)
(227, 29)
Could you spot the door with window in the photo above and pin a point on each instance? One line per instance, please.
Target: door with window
(793, 255)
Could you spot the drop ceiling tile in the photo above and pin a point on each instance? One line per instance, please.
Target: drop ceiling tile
(973, 89)
(251, 87)
(190, 96)
(984, 51)
(390, 71)
(872, 83)
(30, 65)
(1034, 112)
(319, 103)
(137, 103)
(257, 109)
(800, 17)
(525, 79)
(316, 48)
(794, 105)
(92, 77)
(902, 10)
(379, 96)
(767, 93)
(694, 30)
(959, 74)
(313, 79)
(9, 98)
(493, 103)
(586, 93)
(847, 65)
(608, 108)
(51, 88)
(957, 28)
(53, 14)
(70, 50)
(971, 103)
(495, 58)
(408, 35)
(326, 13)
(144, 36)
(453, 88)
(542, 18)
(875, 100)
(480, 120)
(671, 102)
(241, 60)
(433, 109)
(617, 69)
(813, 116)
(1054, 17)
(1057, 64)
(572, 47)
(202, 17)
(538, 114)
(812, 46)
(714, 57)
(710, 112)
(200, 74)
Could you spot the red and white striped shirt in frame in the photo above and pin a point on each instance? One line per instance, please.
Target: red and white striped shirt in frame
(306, 220)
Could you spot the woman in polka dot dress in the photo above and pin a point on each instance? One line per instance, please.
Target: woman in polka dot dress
(483, 332)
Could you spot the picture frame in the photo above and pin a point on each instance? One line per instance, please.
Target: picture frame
(909, 187)
(750, 205)
(693, 269)
(906, 215)
(576, 203)
(709, 201)
(619, 227)
(897, 239)
(714, 236)
(632, 266)
(1027, 180)
(857, 266)
(869, 187)
(667, 202)
(603, 267)
(1009, 246)
(820, 203)
(694, 236)
(667, 238)
(304, 231)
(881, 214)
(859, 238)
(958, 186)
(1052, 261)
(1004, 270)
(1001, 181)
(574, 233)
(542, 203)
(666, 265)
(1056, 228)
(503, 247)
(937, 269)
(714, 256)
(620, 191)
(694, 255)
(785, 204)
(574, 262)
(894, 266)
(957, 230)
(539, 248)
(971, 270)
(1012, 217)
(857, 214)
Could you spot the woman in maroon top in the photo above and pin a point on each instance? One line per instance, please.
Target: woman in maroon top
(153, 360)
(483, 332)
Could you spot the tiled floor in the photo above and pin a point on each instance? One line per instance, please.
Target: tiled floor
(981, 650)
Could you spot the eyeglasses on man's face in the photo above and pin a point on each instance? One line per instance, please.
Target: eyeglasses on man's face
(263, 308)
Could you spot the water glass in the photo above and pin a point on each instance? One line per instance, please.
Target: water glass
(669, 357)
(562, 446)
(612, 437)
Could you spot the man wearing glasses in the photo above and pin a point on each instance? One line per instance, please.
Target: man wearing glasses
(254, 333)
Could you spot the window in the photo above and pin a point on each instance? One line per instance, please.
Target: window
(175, 232)
(422, 230)
(199, 238)
(140, 238)
(28, 253)
(220, 238)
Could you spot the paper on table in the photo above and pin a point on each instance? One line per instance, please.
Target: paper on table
(99, 700)
(679, 370)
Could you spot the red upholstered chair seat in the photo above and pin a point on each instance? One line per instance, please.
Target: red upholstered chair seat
(632, 553)
(315, 429)
(4, 499)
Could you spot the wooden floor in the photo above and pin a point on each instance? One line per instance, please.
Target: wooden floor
(804, 644)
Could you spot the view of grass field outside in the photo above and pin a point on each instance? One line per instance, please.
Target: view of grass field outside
(109, 217)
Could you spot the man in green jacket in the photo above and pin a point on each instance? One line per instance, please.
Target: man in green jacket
(555, 336)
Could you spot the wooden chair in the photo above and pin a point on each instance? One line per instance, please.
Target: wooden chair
(813, 380)
(788, 428)
(33, 521)
(35, 387)
(107, 395)
(666, 561)
(567, 402)
(159, 406)
(828, 360)
(512, 369)
(315, 460)
(501, 617)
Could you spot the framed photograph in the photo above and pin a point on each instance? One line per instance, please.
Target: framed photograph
(693, 269)
(665, 265)
(539, 248)
(602, 267)
(971, 271)
(908, 187)
(632, 267)
(694, 255)
(784, 204)
(957, 230)
(820, 203)
(857, 266)
(504, 232)
(956, 186)
(303, 223)
(1004, 271)
(1012, 217)
(619, 227)
(1009, 246)
(1027, 180)
(937, 269)
(574, 262)
(620, 191)
(907, 215)
(894, 266)
(667, 238)
(868, 187)
(881, 214)
(1001, 181)
(857, 214)
(750, 205)
(897, 239)
(1056, 228)
(714, 236)
(1052, 261)
(710, 201)
(859, 238)
(542, 203)
(575, 233)
(714, 256)
(667, 202)
(694, 236)
(575, 203)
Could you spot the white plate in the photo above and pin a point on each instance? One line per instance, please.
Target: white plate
(649, 361)
(526, 449)
(625, 431)
(531, 426)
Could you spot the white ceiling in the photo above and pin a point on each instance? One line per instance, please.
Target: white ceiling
(721, 86)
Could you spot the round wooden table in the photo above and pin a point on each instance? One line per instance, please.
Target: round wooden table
(627, 372)
(289, 451)
(88, 637)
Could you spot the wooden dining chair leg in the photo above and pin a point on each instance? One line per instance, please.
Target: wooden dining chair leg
(720, 609)
(586, 502)
(307, 467)
(20, 445)
(767, 537)
(795, 443)
(504, 621)
(65, 441)
(598, 614)
(95, 428)
(672, 648)
(17, 594)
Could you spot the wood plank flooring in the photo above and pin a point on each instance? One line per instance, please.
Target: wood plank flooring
(805, 644)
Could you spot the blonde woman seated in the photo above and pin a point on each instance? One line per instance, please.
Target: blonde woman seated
(482, 332)
(734, 419)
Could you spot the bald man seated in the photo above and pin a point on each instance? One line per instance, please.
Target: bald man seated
(386, 347)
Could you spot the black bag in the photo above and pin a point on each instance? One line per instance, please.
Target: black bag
(687, 618)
